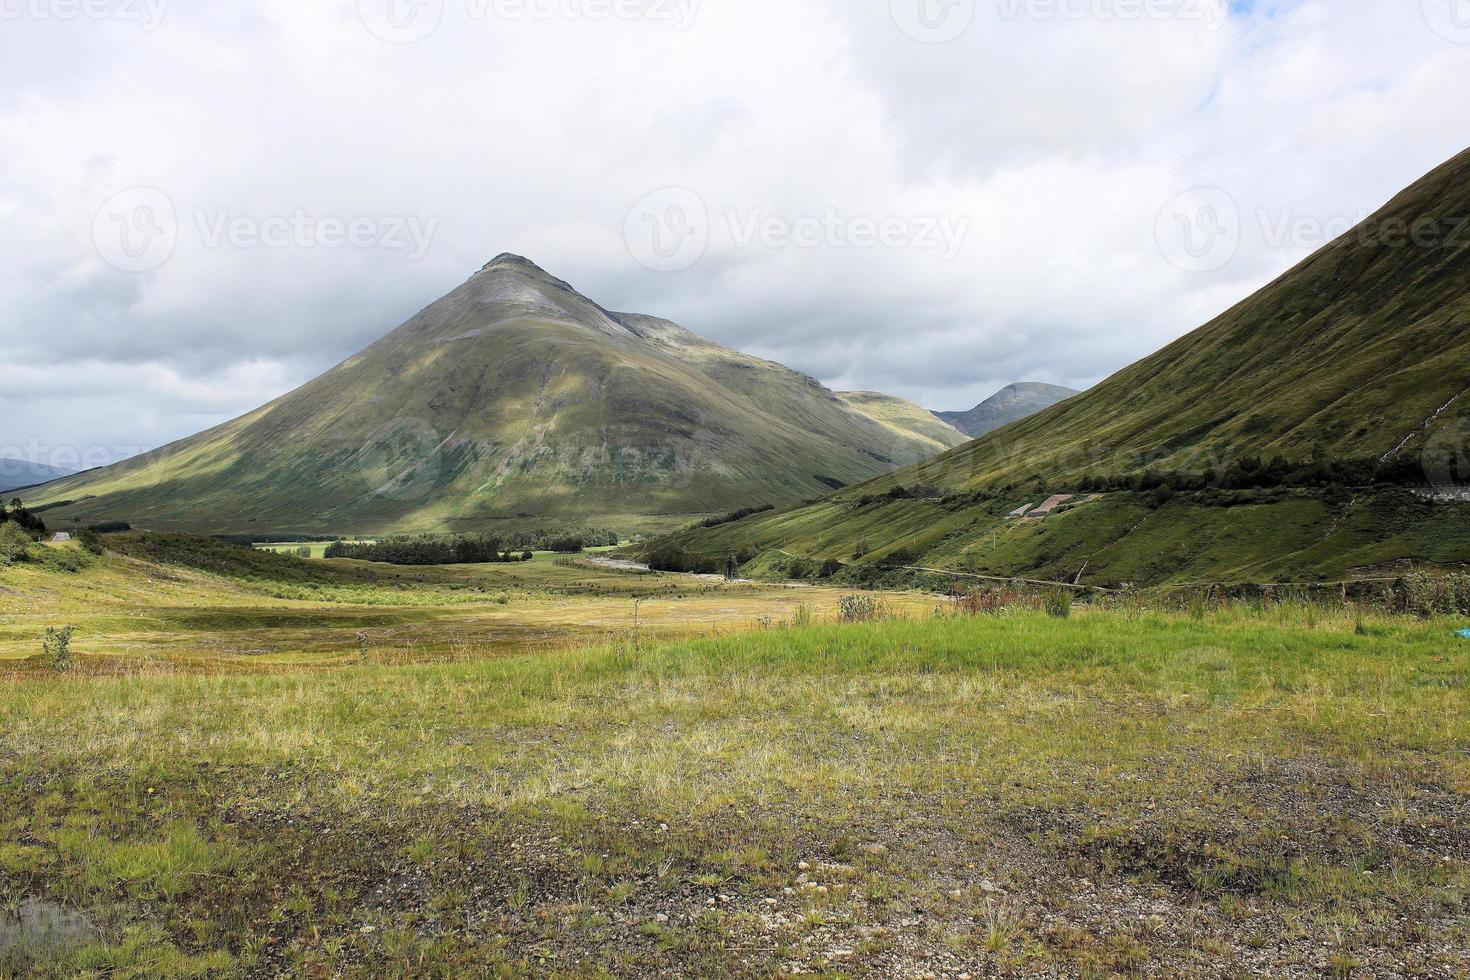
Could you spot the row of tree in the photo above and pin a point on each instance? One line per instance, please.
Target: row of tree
(428, 549)
(471, 549)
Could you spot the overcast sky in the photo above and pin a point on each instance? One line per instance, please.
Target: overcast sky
(208, 203)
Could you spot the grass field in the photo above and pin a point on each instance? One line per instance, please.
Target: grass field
(1231, 792)
(233, 609)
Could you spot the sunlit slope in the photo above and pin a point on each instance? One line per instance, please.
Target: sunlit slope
(1348, 355)
(512, 398)
(1360, 354)
(905, 418)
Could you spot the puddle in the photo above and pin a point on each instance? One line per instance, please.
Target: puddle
(37, 926)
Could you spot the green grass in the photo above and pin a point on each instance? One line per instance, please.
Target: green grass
(1117, 538)
(1104, 793)
(174, 602)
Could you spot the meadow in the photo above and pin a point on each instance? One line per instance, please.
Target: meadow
(1220, 791)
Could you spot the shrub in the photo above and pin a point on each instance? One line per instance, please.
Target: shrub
(860, 608)
(15, 544)
(1426, 595)
(672, 558)
(735, 515)
(987, 602)
(56, 647)
(92, 541)
(1058, 603)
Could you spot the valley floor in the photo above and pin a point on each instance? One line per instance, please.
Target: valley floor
(1282, 790)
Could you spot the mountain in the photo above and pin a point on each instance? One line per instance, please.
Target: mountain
(905, 418)
(1011, 404)
(1353, 368)
(17, 473)
(514, 398)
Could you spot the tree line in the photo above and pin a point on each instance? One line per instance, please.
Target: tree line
(471, 549)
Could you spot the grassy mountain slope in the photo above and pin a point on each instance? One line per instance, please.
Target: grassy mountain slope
(905, 418)
(511, 398)
(1011, 404)
(1360, 353)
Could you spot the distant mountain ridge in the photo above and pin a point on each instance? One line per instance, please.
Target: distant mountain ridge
(18, 473)
(1011, 404)
(515, 397)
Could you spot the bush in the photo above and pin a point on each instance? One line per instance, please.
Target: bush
(672, 558)
(860, 608)
(989, 601)
(111, 527)
(735, 515)
(1427, 595)
(92, 541)
(56, 648)
(1058, 603)
(15, 544)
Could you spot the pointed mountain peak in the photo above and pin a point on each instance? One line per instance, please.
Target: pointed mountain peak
(509, 260)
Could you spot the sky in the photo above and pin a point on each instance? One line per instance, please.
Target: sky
(206, 204)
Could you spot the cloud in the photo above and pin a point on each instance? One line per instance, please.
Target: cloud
(1053, 132)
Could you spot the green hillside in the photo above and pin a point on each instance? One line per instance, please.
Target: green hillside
(905, 418)
(512, 399)
(1352, 369)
